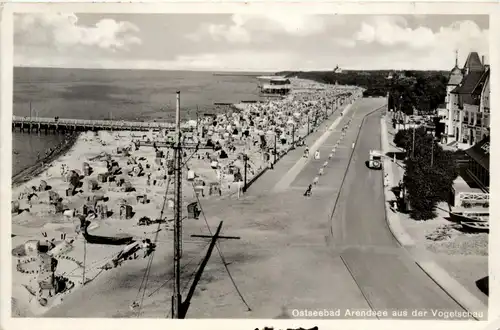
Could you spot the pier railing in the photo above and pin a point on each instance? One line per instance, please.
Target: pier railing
(93, 124)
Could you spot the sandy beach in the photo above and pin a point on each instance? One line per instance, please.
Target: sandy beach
(121, 183)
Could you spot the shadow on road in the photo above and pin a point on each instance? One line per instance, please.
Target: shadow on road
(483, 285)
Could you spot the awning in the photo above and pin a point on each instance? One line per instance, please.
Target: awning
(480, 152)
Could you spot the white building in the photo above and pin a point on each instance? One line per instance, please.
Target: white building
(467, 103)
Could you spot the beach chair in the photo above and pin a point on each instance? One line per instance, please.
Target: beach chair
(193, 210)
(102, 211)
(53, 197)
(143, 199)
(43, 185)
(87, 170)
(125, 212)
(102, 177)
(15, 207)
(92, 185)
(214, 188)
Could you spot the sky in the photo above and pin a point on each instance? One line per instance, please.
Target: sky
(240, 42)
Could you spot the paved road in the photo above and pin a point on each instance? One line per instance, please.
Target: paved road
(387, 276)
(293, 254)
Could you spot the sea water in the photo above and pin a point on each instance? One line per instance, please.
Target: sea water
(118, 95)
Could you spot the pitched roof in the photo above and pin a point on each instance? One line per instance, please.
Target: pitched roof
(479, 87)
(455, 77)
(480, 152)
(468, 84)
(473, 62)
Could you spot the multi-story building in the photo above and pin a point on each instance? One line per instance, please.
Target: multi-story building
(452, 115)
(467, 103)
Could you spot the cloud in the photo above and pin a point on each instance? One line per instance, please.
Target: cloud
(62, 31)
(246, 28)
(391, 32)
(274, 41)
(464, 36)
(241, 60)
(345, 42)
(234, 33)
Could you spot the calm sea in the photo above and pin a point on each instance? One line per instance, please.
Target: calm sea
(116, 94)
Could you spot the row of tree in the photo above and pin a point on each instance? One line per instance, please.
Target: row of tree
(421, 90)
(429, 171)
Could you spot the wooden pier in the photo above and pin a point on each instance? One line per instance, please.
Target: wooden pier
(39, 124)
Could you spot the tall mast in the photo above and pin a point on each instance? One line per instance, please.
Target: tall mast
(176, 297)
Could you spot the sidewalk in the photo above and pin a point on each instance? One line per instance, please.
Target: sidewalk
(454, 260)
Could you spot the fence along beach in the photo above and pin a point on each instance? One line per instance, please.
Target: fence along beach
(117, 181)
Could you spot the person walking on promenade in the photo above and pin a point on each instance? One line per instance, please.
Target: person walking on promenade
(308, 191)
(306, 152)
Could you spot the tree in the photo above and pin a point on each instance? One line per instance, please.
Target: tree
(402, 139)
(377, 84)
(429, 175)
(420, 190)
(430, 171)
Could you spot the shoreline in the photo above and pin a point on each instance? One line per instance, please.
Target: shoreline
(42, 165)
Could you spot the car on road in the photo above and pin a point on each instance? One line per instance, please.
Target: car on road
(375, 161)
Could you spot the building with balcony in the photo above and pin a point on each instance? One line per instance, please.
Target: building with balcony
(467, 103)
(274, 85)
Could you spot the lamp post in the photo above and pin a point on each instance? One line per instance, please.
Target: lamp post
(413, 143)
(432, 152)
(275, 145)
(245, 165)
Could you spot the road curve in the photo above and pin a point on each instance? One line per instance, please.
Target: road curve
(388, 277)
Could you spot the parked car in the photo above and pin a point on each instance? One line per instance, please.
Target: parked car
(375, 161)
